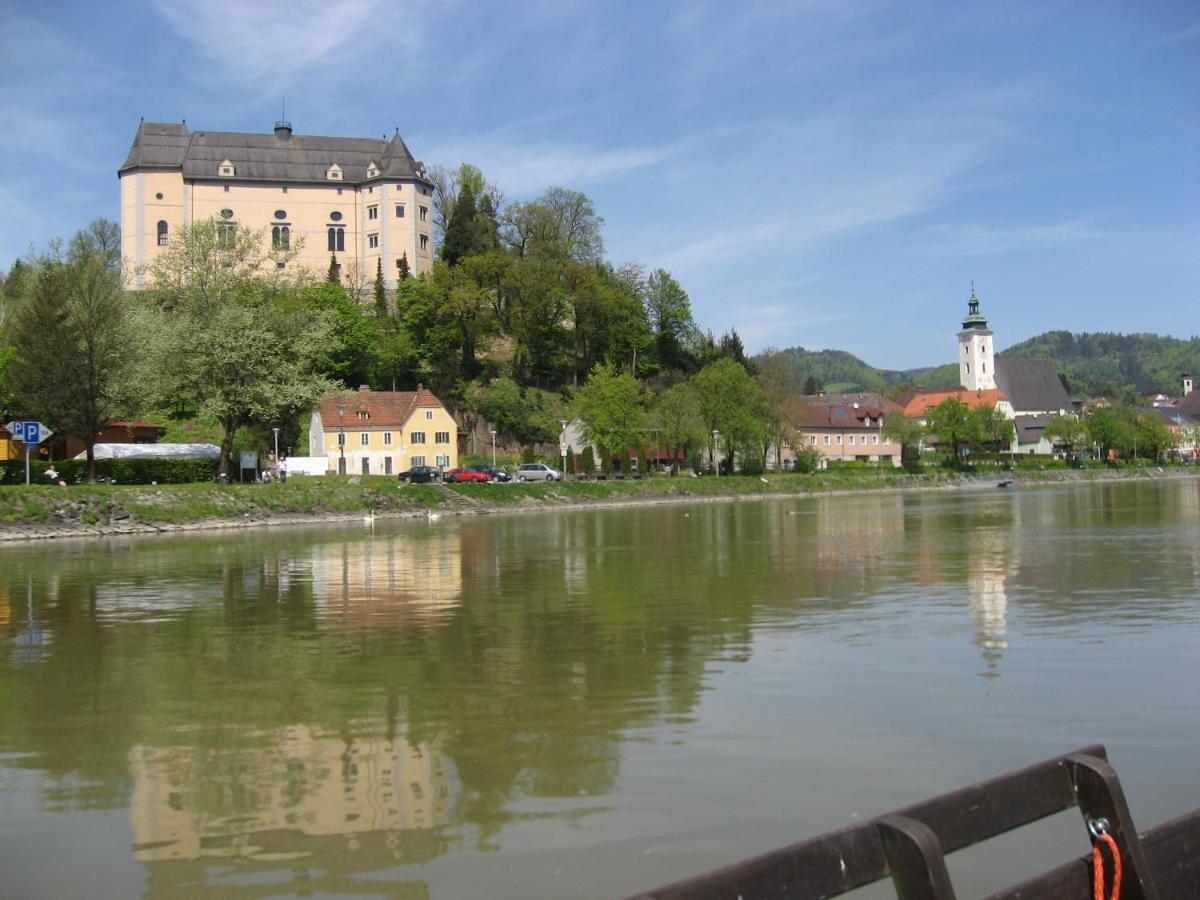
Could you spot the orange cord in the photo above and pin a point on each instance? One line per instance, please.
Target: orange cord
(1098, 867)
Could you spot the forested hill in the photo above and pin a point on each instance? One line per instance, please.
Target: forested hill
(1094, 364)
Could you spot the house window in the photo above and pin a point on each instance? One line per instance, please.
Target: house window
(339, 192)
(373, 212)
(875, 439)
(852, 440)
(285, 188)
(417, 437)
(424, 242)
(417, 461)
(363, 414)
(162, 234)
(227, 189)
(424, 212)
(364, 438)
(281, 237)
(341, 439)
(366, 466)
(387, 465)
(387, 438)
(337, 238)
(443, 459)
(399, 210)
(839, 438)
(372, 240)
(812, 440)
(441, 437)
(826, 440)
(429, 415)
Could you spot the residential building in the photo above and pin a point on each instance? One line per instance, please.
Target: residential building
(382, 432)
(365, 200)
(848, 427)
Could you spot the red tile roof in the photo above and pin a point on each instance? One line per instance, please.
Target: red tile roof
(921, 403)
(385, 409)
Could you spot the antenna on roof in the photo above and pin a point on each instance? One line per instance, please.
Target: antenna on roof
(283, 128)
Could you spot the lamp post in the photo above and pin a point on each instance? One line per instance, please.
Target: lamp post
(716, 462)
(275, 432)
(493, 448)
(562, 445)
(341, 439)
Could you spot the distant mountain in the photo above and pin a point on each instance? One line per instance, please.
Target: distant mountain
(1092, 364)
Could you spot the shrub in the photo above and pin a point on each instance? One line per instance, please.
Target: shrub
(120, 471)
(570, 461)
(588, 461)
(808, 461)
(527, 455)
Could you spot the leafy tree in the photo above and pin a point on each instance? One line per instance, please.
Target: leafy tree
(808, 461)
(1068, 429)
(349, 356)
(610, 405)
(907, 432)
(732, 403)
(677, 415)
(669, 311)
(72, 344)
(1153, 438)
(561, 224)
(403, 271)
(100, 240)
(1108, 432)
(992, 428)
(587, 461)
(381, 304)
(223, 336)
(951, 421)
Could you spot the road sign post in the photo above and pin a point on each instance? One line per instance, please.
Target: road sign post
(30, 434)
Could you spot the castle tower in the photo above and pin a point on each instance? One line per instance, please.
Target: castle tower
(1187, 384)
(976, 367)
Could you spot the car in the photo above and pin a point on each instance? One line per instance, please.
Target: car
(463, 474)
(495, 473)
(421, 475)
(538, 472)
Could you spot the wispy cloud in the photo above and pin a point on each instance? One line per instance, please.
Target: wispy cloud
(269, 38)
(958, 239)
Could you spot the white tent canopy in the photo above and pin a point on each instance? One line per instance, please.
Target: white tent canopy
(154, 451)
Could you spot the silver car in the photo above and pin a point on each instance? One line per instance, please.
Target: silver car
(538, 472)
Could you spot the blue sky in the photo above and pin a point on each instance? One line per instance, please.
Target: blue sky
(817, 174)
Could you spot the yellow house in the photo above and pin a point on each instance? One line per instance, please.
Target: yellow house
(383, 432)
(364, 199)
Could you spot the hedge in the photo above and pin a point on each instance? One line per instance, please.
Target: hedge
(118, 471)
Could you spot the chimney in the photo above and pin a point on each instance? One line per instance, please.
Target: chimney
(1187, 384)
(283, 130)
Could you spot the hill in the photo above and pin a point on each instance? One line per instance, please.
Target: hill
(1093, 364)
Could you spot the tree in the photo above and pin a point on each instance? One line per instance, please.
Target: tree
(561, 224)
(381, 304)
(677, 416)
(951, 421)
(1067, 429)
(73, 346)
(907, 432)
(1108, 432)
(460, 229)
(101, 240)
(226, 334)
(669, 311)
(610, 405)
(731, 403)
(403, 270)
(1153, 438)
(992, 428)
(812, 386)
(334, 273)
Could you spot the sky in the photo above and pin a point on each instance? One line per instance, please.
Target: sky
(820, 174)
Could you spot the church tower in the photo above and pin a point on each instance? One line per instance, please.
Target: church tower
(976, 367)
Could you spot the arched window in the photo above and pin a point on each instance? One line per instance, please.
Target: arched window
(281, 237)
(337, 239)
(162, 234)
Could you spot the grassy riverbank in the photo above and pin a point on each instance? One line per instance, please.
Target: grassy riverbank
(47, 510)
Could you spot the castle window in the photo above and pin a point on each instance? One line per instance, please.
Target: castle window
(227, 189)
(281, 237)
(227, 213)
(372, 240)
(424, 242)
(335, 216)
(226, 169)
(337, 239)
(158, 196)
(399, 210)
(226, 235)
(424, 210)
(373, 212)
(285, 188)
(281, 213)
(162, 234)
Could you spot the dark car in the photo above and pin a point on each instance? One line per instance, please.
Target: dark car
(494, 473)
(421, 475)
(462, 474)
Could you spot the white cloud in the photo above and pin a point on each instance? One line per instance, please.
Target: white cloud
(961, 239)
(269, 38)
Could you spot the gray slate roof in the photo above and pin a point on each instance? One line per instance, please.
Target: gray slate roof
(1173, 415)
(264, 157)
(1189, 404)
(1031, 385)
(1031, 429)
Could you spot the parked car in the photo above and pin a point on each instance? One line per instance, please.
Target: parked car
(538, 472)
(495, 473)
(421, 475)
(463, 474)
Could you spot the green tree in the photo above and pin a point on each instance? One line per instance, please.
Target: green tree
(100, 240)
(677, 416)
(812, 386)
(908, 433)
(669, 311)
(561, 224)
(1108, 432)
(224, 336)
(460, 230)
(381, 304)
(587, 461)
(992, 429)
(1067, 429)
(334, 274)
(731, 403)
(403, 271)
(951, 421)
(610, 405)
(1153, 438)
(349, 355)
(73, 344)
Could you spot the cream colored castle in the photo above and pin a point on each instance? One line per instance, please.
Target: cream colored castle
(363, 199)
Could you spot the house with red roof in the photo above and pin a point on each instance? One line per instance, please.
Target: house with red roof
(382, 432)
(848, 427)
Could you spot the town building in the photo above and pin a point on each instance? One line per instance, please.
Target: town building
(848, 427)
(364, 200)
(382, 432)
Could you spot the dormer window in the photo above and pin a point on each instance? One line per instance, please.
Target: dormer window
(372, 169)
(226, 169)
(334, 173)
(363, 414)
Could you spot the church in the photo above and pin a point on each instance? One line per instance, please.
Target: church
(1028, 391)
(364, 201)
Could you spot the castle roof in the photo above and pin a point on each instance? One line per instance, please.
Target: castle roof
(1031, 385)
(281, 156)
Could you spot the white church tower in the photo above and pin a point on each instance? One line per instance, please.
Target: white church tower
(976, 366)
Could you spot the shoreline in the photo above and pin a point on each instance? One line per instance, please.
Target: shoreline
(473, 504)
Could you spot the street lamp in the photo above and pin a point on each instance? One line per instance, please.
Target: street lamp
(341, 439)
(562, 444)
(716, 462)
(493, 448)
(275, 431)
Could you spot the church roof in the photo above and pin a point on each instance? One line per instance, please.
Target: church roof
(920, 403)
(1031, 385)
(1189, 404)
(268, 157)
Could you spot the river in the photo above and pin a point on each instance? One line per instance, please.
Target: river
(584, 703)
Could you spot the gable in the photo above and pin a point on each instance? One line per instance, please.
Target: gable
(1031, 385)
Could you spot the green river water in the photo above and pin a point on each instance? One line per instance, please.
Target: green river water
(582, 704)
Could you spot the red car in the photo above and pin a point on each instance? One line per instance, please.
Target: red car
(462, 474)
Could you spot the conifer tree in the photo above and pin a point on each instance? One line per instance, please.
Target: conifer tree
(404, 271)
(459, 232)
(334, 275)
(381, 304)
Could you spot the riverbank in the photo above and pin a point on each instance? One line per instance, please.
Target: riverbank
(41, 512)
